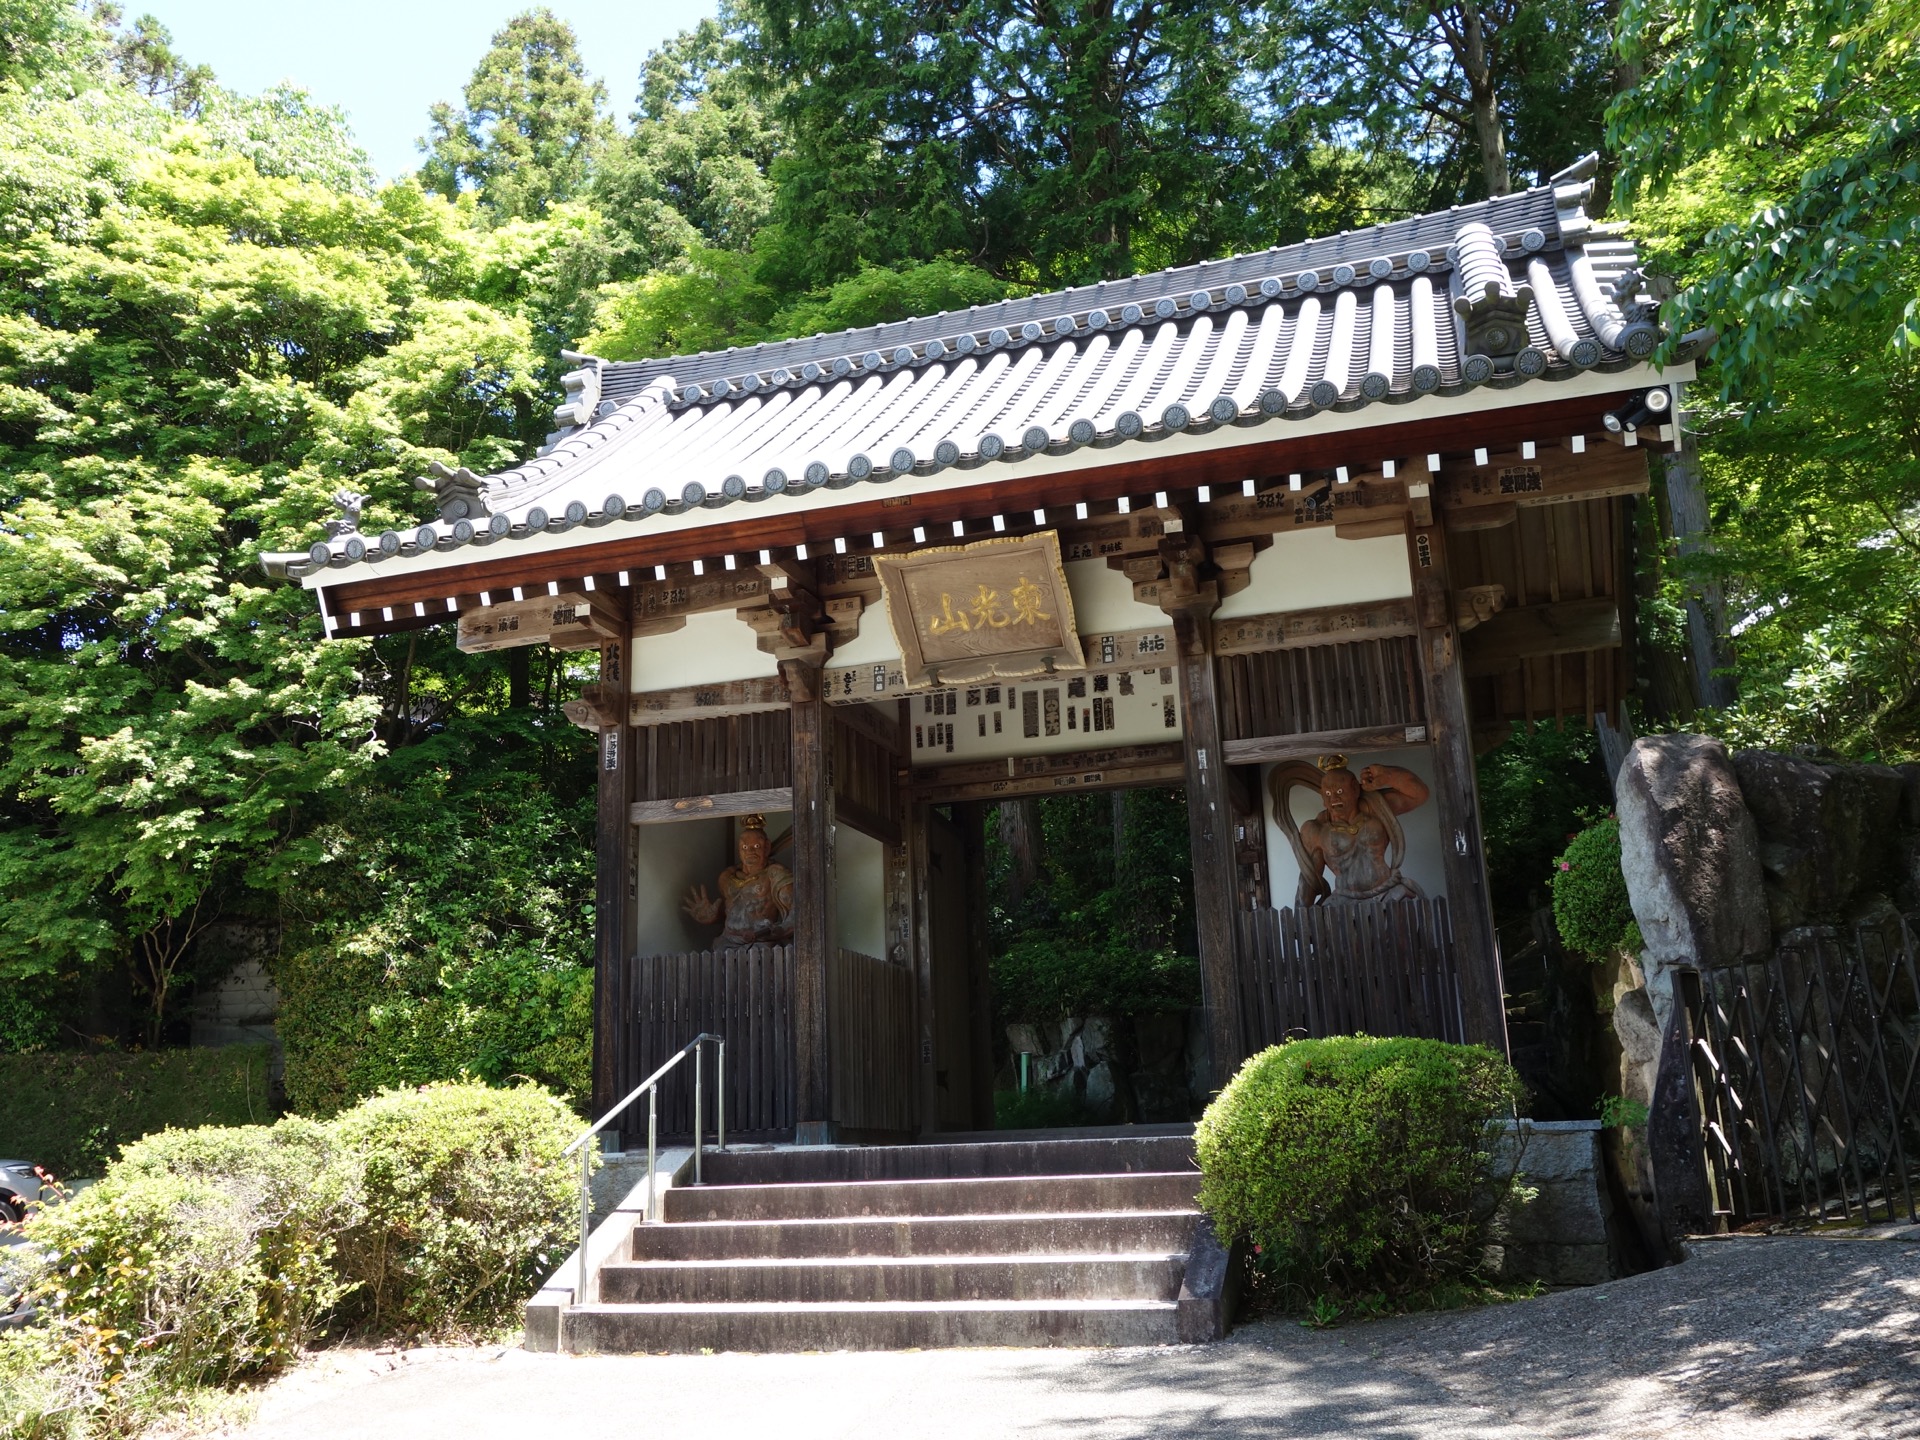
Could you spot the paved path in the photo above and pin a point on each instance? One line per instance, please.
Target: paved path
(1764, 1339)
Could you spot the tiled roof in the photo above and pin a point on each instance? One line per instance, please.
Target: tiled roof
(1516, 289)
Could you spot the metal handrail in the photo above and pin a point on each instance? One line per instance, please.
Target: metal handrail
(650, 1087)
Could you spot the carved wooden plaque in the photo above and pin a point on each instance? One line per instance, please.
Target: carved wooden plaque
(967, 612)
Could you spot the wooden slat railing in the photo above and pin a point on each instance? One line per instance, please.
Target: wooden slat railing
(744, 996)
(1378, 969)
(870, 1036)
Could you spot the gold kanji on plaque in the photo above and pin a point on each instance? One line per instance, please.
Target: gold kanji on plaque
(967, 612)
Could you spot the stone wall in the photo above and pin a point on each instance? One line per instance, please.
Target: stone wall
(1563, 1234)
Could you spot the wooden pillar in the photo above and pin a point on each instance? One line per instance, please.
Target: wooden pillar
(613, 905)
(815, 897)
(1456, 794)
(1190, 604)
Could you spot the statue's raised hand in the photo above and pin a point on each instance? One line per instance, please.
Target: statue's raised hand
(700, 906)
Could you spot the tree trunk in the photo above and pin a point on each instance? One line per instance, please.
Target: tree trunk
(1020, 833)
(519, 679)
(1485, 103)
(1708, 653)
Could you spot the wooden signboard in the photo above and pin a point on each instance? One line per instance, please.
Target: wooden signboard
(568, 621)
(971, 612)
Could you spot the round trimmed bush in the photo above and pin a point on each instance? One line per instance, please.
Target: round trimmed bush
(467, 1203)
(1356, 1166)
(1590, 905)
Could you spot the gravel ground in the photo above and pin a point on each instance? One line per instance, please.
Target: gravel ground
(1760, 1339)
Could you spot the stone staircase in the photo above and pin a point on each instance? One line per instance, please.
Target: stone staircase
(1078, 1241)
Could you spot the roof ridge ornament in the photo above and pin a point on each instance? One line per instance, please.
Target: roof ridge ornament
(349, 503)
(1492, 309)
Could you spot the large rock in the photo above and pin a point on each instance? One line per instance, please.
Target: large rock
(1827, 832)
(1691, 856)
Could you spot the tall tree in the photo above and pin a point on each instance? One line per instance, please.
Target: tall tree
(1475, 89)
(531, 126)
(1050, 141)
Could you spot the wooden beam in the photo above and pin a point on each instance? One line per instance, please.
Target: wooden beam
(816, 891)
(707, 702)
(883, 828)
(1266, 749)
(1554, 475)
(1111, 757)
(1011, 787)
(613, 895)
(1456, 794)
(1190, 604)
(1532, 631)
(1325, 625)
(707, 807)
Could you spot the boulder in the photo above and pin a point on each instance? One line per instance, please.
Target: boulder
(1691, 856)
(1639, 1034)
(1827, 832)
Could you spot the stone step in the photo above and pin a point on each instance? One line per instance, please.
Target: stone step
(1167, 1231)
(866, 1325)
(1163, 1148)
(1016, 1195)
(882, 1278)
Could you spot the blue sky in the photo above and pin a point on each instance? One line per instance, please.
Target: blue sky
(386, 61)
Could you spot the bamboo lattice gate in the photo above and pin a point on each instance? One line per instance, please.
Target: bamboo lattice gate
(1806, 1072)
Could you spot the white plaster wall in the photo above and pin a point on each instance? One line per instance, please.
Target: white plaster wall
(669, 859)
(860, 864)
(1103, 600)
(874, 644)
(1305, 569)
(1422, 827)
(713, 647)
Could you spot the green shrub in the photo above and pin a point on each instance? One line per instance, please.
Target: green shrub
(73, 1111)
(467, 1203)
(1358, 1166)
(1038, 1109)
(47, 1392)
(1590, 905)
(1047, 978)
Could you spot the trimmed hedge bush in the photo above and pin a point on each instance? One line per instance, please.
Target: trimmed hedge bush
(468, 1203)
(212, 1255)
(1357, 1166)
(73, 1111)
(1590, 905)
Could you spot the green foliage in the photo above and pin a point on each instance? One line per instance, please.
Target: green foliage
(73, 1111)
(531, 126)
(1357, 1166)
(1617, 1112)
(209, 1256)
(1038, 1109)
(1415, 82)
(1536, 787)
(468, 1203)
(448, 932)
(1106, 927)
(1790, 143)
(1590, 907)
